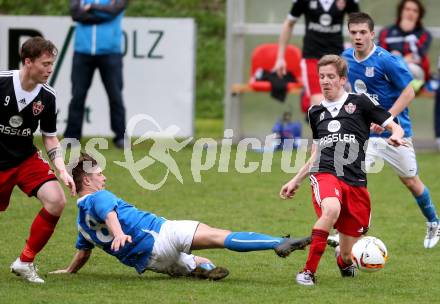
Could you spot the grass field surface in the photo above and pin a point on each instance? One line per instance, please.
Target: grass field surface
(238, 202)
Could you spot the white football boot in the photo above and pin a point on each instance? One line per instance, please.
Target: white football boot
(26, 270)
(306, 278)
(432, 234)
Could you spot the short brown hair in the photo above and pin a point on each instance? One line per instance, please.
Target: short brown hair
(421, 11)
(79, 171)
(335, 60)
(35, 47)
(360, 17)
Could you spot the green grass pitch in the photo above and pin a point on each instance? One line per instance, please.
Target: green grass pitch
(238, 202)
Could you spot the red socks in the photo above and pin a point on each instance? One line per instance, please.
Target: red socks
(317, 248)
(341, 263)
(42, 229)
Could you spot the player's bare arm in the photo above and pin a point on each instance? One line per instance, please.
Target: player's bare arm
(113, 224)
(79, 260)
(405, 98)
(54, 152)
(288, 190)
(286, 33)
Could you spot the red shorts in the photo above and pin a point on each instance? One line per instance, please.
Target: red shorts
(354, 219)
(30, 175)
(309, 72)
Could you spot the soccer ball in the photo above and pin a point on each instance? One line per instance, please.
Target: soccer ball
(369, 254)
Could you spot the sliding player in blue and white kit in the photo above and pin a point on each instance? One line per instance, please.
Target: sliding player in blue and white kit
(142, 240)
(386, 78)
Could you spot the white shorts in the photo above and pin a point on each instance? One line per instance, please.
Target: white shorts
(172, 247)
(402, 159)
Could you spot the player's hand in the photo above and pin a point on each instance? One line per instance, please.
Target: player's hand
(396, 141)
(119, 241)
(288, 190)
(376, 128)
(280, 67)
(59, 271)
(68, 181)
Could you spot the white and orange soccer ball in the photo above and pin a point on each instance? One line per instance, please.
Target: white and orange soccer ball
(369, 254)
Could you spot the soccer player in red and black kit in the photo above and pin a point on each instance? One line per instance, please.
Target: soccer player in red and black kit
(323, 21)
(341, 128)
(26, 102)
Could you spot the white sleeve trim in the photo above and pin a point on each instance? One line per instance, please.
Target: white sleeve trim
(292, 18)
(386, 122)
(48, 134)
(373, 101)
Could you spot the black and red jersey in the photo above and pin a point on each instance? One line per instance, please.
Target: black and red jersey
(21, 113)
(324, 20)
(340, 131)
(415, 42)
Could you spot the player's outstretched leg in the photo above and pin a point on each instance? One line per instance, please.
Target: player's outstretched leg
(208, 237)
(289, 245)
(252, 241)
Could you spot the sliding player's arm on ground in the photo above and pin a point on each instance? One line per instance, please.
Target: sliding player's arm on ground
(79, 260)
(289, 189)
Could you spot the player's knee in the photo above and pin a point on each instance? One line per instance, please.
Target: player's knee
(331, 214)
(412, 183)
(55, 203)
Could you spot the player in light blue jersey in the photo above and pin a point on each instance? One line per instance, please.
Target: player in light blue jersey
(387, 80)
(145, 241)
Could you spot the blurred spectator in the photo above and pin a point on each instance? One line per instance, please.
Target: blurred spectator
(98, 44)
(409, 39)
(285, 129)
(437, 110)
(323, 35)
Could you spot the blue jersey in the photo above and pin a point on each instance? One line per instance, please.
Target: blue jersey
(383, 76)
(142, 226)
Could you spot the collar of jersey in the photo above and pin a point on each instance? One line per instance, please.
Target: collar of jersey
(330, 105)
(368, 56)
(21, 94)
(326, 4)
(82, 198)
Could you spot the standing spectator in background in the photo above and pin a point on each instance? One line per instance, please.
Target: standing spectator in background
(98, 44)
(323, 22)
(409, 39)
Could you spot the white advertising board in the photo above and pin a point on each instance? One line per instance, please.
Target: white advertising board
(159, 69)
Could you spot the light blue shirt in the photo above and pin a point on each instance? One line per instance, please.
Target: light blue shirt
(383, 76)
(142, 226)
